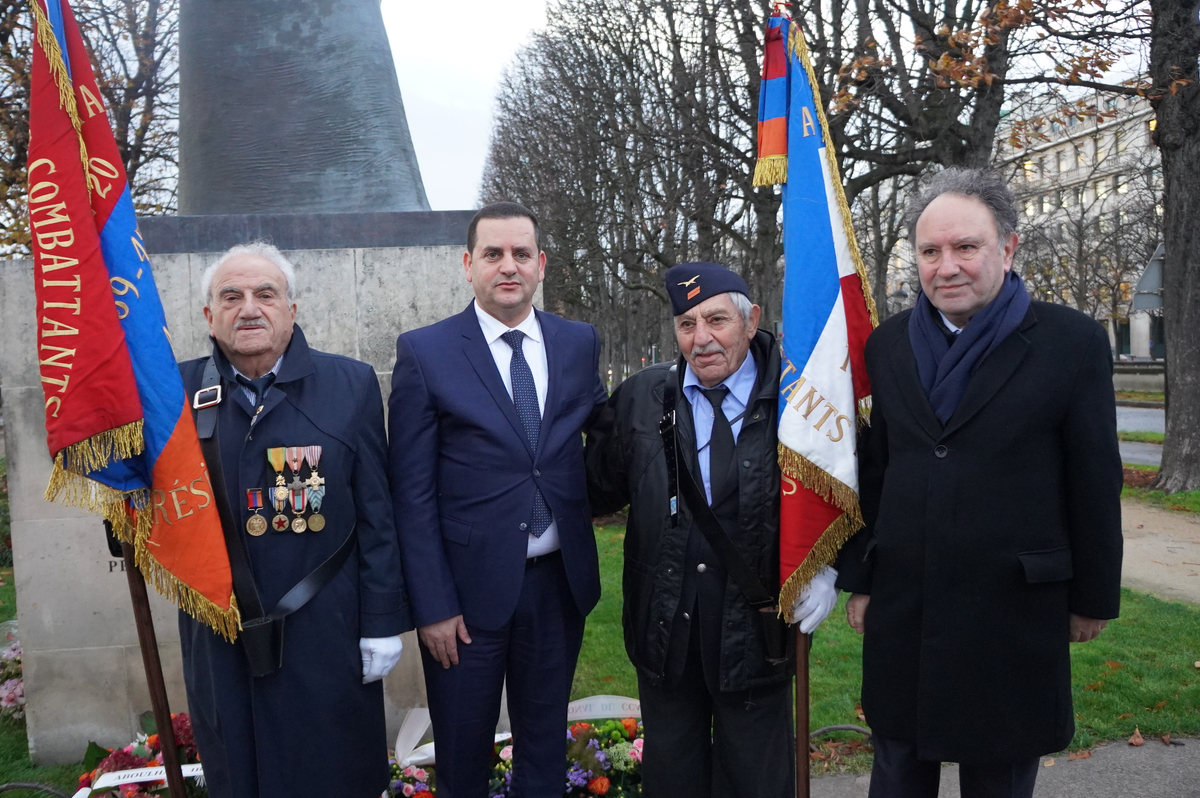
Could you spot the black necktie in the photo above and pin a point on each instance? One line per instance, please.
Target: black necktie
(720, 443)
(258, 387)
(524, 393)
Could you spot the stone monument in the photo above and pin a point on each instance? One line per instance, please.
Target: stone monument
(292, 130)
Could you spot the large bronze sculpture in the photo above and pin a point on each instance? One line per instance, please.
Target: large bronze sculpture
(291, 107)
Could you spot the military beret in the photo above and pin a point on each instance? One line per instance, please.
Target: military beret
(689, 284)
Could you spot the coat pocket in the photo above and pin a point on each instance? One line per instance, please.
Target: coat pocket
(457, 531)
(1050, 565)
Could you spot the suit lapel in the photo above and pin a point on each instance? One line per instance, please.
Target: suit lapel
(904, 369)
(480, 356)
(554, 363)
(992, 373)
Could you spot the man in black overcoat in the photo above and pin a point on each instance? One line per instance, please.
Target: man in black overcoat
(315, 727)
(714, 672)
(991, 487)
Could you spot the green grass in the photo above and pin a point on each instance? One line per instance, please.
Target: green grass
(1140, 396)
(1185, 500)
(603, 667)
(1139, 673)
(1121, 679)
(1140, 437)
(15, 764)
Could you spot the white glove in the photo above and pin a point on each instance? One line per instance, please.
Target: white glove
(379, 656)
(816, 601)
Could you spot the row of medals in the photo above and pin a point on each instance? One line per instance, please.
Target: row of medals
(299, 494)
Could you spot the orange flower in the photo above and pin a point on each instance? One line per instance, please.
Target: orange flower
(598, 786)
(630, 727)
(579, 728)
(152, 741)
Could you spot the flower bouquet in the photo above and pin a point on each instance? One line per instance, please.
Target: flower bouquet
(602, 759)
(144, 752)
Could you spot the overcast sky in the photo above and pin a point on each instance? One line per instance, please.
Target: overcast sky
(449, 57)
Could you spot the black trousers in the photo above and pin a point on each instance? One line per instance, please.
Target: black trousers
(898, 773)
(701, 742)
(537, 650)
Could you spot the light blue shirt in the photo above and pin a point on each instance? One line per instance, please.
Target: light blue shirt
(741, 385)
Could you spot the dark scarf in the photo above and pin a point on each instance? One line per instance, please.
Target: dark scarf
(944, 369)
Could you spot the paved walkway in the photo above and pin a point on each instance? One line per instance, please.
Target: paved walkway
(1117, 770)
(1162, 557)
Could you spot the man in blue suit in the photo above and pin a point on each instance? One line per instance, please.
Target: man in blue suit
(486, 415)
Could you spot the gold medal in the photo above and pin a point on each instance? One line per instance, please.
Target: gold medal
(279, 523)
(298, 525)
(256, 525)
(316, 522)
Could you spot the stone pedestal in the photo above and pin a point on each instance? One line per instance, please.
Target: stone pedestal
(83, 670)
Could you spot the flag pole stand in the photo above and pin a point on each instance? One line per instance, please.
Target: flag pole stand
(154, 675)
(802, 721)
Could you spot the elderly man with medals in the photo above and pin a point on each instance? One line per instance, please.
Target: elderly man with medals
(294, 707)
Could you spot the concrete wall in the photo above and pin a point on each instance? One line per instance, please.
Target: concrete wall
(83, 670)
(1139, 377)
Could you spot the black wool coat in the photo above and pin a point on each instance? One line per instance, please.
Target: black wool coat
(983, 535)
(311, 729)
(626, 466)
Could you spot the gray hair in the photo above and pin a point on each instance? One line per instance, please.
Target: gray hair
(259, 248)
(985, 185)
(743, 305)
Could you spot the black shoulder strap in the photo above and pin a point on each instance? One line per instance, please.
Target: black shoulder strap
(206, 404)
(735, 565)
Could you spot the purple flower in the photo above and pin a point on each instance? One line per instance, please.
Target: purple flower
(577, 776)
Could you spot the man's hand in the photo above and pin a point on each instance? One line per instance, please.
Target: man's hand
(379, 656)
(816, 601)
(1085, 629)
(442, 638)
(856, 611)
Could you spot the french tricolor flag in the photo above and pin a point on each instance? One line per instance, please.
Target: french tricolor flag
(827, 316)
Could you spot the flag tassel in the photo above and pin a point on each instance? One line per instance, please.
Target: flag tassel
(770, 170)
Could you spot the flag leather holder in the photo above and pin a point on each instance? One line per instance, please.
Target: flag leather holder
(752, 588)
(262, 632)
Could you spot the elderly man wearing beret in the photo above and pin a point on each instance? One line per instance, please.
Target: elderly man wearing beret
(690, 446)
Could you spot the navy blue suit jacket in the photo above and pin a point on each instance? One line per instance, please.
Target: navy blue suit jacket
(463, 474)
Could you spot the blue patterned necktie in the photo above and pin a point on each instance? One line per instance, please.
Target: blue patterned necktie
(524, 394)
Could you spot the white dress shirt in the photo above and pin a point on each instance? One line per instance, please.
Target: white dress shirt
(951, 326)
(534, 349)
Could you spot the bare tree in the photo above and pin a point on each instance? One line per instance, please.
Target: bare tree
(1175, 94)
(133, 46)
(630, 128)
(15, 53)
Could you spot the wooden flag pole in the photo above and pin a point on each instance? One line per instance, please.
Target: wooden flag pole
(154, 675)
(802, 722)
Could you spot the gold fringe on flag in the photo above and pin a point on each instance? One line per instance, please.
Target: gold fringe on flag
(771, 170)
(67, 487)
(819, 481)
(92, 454)
(800, 49)
(66, 92)
(864, 412)
(823, 553)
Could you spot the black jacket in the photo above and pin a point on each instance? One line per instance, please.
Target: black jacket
(626, 466)
(983, 535)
